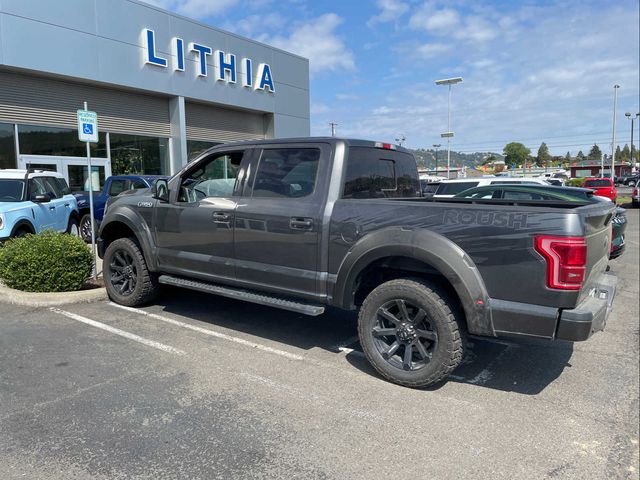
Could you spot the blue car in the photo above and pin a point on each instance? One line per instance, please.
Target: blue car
(33, 201)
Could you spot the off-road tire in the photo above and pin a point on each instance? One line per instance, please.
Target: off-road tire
(441, 315)
(146, 282)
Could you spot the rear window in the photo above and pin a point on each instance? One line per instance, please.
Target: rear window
(455, 187)
(377, 173)
(597, 183)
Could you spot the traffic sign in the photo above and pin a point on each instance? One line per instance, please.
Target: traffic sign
(87, 126)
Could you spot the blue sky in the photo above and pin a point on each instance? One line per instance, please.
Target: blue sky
(533, 71)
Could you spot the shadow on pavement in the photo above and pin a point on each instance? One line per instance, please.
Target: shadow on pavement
(520, 366)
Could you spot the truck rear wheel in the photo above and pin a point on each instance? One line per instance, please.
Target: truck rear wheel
(126, 276)
(85, 227)
(409, 333)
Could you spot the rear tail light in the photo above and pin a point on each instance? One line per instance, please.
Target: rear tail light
(634, 192)
(566, 260)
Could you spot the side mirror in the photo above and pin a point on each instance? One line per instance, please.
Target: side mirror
(160, 189)
(40, 198)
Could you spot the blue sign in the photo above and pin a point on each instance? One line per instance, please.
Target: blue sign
(225, 63)
(87, 128)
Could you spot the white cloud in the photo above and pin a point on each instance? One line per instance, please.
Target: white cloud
(256, 26)
(392, 10)
(431, 19)
(318, 41)
(430, 50)
(195, 8)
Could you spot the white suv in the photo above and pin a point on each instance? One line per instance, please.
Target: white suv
(449, 188)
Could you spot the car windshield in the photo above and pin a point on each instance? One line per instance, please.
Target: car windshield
(11, 190)
(597, 183)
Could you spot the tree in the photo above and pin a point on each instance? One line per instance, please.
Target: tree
(567, 157)
(490, 159)
(595, 153)
(618, 152)
(543, 155)
(515, 153)
(580, 156)
(626, 153)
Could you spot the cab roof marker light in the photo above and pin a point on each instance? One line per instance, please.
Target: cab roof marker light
(385, 146)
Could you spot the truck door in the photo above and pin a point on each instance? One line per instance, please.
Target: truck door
(194, 230)
(279, 220)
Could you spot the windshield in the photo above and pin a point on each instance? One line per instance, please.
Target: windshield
(597, 183)
(11, 190)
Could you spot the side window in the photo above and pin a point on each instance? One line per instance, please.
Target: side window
(215, 176)
(286, 173)
(53, 188)
(62, 183)
(137, 184)
(117, 187)
(37, 186)
(521, 196)
(486, 194)
(375, 173)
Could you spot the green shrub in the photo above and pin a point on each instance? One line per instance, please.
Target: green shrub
(574, 182)
(46, 262)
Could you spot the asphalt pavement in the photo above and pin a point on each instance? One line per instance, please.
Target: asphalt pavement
(197, 386)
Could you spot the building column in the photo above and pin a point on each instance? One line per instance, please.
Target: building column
(178, 143)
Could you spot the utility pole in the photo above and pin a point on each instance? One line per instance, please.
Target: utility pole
(628, 115)
(448, 134)
(333, 126)
(613, 140)
(436, 146)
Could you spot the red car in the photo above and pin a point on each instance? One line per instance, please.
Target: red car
(603, 187)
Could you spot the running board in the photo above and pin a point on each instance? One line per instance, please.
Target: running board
(245, 295)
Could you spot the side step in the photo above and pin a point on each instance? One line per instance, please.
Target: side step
(245, 295)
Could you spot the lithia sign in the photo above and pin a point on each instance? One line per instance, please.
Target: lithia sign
(225, 63)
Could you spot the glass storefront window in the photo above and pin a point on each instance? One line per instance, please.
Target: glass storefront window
(7, 146)
(139, 155)
(196, 147)
(79, 181)
(39, 140)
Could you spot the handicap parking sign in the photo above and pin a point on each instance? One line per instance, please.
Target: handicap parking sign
(87, 126)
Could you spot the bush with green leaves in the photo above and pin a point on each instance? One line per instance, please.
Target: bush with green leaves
(46, 262)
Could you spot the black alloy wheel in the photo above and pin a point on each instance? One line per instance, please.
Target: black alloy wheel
(124, 274)
(85, 228)
(404, 335)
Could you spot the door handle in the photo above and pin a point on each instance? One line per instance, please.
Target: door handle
(221, 217)
(301, 223)
(52, 207)
(66, 204)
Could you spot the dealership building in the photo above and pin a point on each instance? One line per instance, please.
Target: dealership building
(164, 87)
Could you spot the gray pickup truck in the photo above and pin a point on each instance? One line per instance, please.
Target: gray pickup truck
(300, 224)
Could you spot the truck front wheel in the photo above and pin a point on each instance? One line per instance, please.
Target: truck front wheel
(409, 333)
(126, 276)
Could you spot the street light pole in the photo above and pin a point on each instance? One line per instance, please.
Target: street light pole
(628, 115)
(613, 140)
(436, 146)
(449, 133)
(333, 128)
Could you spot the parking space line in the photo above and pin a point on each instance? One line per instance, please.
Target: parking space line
(117, 331)
(212, 333)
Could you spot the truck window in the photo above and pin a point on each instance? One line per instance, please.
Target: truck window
(286, 173)
(53, 188)
(375, 173)
(37, 186)
(137, 184)
(213, 177)
(117, 187)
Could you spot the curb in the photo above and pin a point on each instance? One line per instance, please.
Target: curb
(36, 299)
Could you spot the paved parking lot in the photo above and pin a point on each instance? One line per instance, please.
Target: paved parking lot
(204, 387)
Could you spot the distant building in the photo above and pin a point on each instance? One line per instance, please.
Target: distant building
(592, 168)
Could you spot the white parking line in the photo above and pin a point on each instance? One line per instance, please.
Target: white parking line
(282, 353)
(117, 331)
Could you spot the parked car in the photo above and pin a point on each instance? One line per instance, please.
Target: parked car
(35, 200)
(541, 193)
(603, 187)
(113, 186)
(449, 188)
(627, 180)
(308, 223)
(428, 188)
(635, 195)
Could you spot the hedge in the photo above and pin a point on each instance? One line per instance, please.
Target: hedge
(46, 262)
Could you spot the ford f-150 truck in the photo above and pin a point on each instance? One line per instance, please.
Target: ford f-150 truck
(301, 224)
